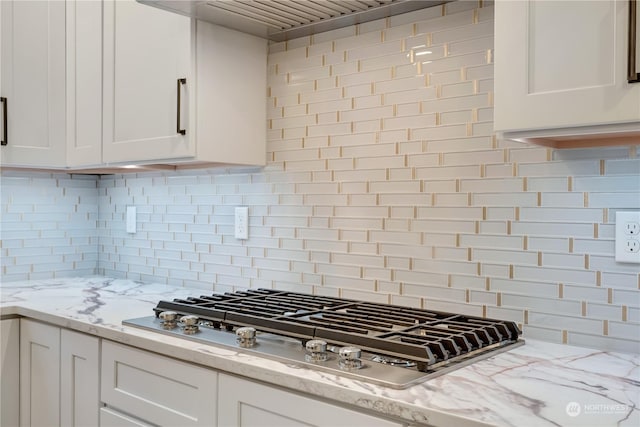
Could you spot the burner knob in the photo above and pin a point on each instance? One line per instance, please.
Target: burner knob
(168, 319)
(350, 358)
(316, 351)
(190, 324)
(246, 336)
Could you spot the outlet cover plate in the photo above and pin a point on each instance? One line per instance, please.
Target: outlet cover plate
(131, 219)
(242, 223)
(627, 234)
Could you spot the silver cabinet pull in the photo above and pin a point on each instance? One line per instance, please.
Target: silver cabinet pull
(633, 76)
(178, 130)
(5, 132)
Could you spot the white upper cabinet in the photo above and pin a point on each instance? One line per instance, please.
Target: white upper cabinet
(51, 83)
(84, 83)
(561, 68)
(146, 51)
(95, 84)
(179, 90)
(33, 83)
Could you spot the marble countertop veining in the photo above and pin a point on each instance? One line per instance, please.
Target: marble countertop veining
(537, 384)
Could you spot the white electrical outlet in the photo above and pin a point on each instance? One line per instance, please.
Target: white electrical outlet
(628, 236)
(242, 223)
(131, 219)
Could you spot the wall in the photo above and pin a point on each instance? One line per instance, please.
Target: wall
(48, 225)
(386, 183)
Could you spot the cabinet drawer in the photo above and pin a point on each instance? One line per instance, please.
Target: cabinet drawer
(248, 404)
(157, 389)
(111, 418)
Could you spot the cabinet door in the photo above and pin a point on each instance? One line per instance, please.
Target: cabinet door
(146, 51)
(33, 82)
(79, 379)
(243, 403)
(9, 363)
(84, 83)
(231, 81)
(39, 374)
(562, 64)
(157, 389)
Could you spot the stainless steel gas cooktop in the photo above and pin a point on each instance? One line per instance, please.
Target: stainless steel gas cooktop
(383, 344)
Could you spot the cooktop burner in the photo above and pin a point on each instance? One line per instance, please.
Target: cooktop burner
(407, 344)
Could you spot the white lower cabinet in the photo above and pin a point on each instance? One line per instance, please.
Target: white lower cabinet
(243, 403)
(9, 363)
(142, 388)
(69, 379)
(79, 379)
(112, 418)
(59, 376)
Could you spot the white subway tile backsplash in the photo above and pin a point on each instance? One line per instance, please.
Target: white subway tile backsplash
(599, 184)
(593, 246)
(522, 287)
(384, 182)
(473, 31)
(621, 280)
(563, 260)
(559, 214)
(493, 227)
(400, 21)
(395, 187)
(608, 263)
(629, 298)
(464, 16)
(545, 305)
(497, 256)
(603, 342)
(556, 168)
(407, 122)
(491, 185)
(454, 117)
(578, 324)
(450, 199)
(455, 63)
(625, 330)
(394, 95)
(548, 274)
(552, 229)
(585, 293)
(457, 89)
(622, 167)
(440, 172)
(481, 44)
(591, 153)
(603, 311)
(489, 241)
(523, 199)
(359, 78)
(630, 200)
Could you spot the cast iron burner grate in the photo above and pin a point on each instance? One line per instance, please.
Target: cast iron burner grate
(428, 338)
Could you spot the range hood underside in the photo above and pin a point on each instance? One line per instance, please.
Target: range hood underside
(280, 20)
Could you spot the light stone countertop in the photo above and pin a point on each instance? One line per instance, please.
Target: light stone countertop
(537, 384)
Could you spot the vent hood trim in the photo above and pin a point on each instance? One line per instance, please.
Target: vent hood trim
(281, 20)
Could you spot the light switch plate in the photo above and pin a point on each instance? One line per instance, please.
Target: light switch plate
(242, 222)
(131, 219)
(628, 236)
